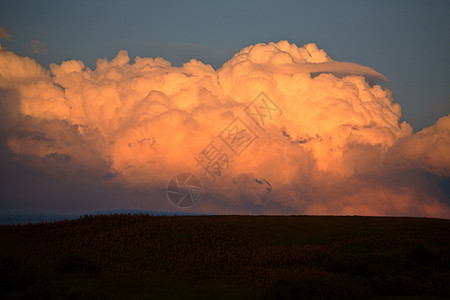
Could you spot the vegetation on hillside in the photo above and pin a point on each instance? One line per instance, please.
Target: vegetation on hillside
(288, 257)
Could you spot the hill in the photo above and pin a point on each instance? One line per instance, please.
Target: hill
(37, 216)
(141, 256)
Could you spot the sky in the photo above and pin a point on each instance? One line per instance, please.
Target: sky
(407, 41)
(399, 48)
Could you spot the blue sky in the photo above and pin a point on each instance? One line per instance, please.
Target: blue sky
(407, 41)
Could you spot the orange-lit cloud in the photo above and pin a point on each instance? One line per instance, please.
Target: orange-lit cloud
(336, 147)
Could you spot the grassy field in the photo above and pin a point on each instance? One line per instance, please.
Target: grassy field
(222, 257)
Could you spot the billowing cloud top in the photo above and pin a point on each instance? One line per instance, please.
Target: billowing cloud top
(326, 140)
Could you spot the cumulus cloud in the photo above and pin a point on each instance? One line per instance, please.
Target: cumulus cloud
(427, 150)
(326, 139)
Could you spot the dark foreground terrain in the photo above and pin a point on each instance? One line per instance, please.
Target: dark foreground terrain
(298, 257)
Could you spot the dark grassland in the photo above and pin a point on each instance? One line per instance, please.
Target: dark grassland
(220, 257)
